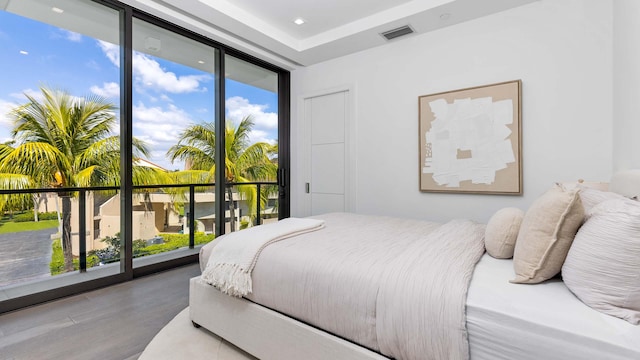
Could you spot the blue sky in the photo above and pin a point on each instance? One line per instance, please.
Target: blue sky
(167, 97)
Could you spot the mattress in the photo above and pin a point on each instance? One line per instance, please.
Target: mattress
(540, 321)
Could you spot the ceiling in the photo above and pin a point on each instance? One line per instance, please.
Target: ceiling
(332, 28)
(266, 28)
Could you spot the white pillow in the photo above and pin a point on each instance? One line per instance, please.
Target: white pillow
(602, 267)
(502, 231)
(591, 197)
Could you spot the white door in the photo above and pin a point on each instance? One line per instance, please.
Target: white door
(327, 118)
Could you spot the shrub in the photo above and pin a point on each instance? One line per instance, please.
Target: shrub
(56, 266)
(23, 217)
(112, 252)
(28, 216)
(52, 215)
(177, 241)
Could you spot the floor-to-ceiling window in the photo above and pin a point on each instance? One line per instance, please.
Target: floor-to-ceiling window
(116, 118)
(251, 113)
(59, 132)
(174, 117)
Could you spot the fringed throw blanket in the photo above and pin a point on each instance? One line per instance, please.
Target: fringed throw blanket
(230, 265)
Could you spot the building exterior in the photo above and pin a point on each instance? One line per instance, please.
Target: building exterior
(153, 214)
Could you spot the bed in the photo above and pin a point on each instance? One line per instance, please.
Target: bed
(295, 314)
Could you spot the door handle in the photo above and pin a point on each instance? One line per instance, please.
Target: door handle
(280, 177)
(306, 187)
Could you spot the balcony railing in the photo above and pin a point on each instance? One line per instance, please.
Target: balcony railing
(176, 190)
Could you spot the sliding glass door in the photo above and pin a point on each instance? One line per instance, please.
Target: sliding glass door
(251, 115)
(173, 125)
(126, 144)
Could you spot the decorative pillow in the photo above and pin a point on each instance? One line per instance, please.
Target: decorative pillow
(591, 197)
(502, 231)
(603, 265)
(626, 183)
(598, 185)
(546, 234)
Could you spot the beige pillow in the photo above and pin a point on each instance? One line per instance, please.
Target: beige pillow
(603, 265)
(547, 230)
(502, 231)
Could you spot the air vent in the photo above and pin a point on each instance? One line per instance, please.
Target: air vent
(395, 33)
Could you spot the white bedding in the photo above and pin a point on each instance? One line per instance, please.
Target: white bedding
(359, 277)
(541, 321)
(504, 320)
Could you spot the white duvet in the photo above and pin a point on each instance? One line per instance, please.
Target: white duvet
(393, 285)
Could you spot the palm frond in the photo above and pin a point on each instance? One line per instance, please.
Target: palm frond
(69, 137)
(40, 161)
(143, 175)
(15, 181)
(196, 146)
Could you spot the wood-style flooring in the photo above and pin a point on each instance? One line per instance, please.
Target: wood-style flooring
(116, 322)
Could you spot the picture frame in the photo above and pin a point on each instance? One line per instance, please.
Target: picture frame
(471, 140)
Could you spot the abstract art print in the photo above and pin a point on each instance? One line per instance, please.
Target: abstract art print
(470, 140)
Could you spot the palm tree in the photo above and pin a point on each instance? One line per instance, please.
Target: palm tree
(64, 141)
(11, 202)
(244, 162)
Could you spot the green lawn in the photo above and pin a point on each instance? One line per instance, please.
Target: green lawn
(11, 227)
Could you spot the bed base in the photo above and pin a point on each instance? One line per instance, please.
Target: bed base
(264, 333)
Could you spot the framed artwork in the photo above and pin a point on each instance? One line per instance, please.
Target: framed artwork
(471, 140)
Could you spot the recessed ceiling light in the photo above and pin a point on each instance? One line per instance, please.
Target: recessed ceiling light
(200, 62)
(57, 10)
(299, 21)
(24, 52)
(445, 16)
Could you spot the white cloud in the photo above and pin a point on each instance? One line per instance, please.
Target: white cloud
(66, 35)
(108, 90)
(148, 73)
(112, 52)
(260, 136)
(160, 128)
(6, 122)
(163, 123)
(5, 108)
(72, 36)
(36, 94)
(239, 107)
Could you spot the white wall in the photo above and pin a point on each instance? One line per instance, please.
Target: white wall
(626, 82)
(561, 49)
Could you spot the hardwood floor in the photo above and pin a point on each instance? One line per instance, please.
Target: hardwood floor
(116, 322)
